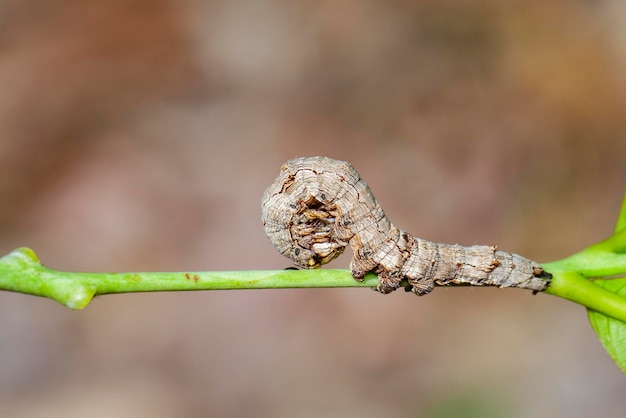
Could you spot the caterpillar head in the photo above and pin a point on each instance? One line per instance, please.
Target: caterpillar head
(306, 233)
(299, 217)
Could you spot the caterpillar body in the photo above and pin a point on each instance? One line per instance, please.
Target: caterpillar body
(317, 206)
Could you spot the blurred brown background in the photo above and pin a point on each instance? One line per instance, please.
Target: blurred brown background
(140, 135)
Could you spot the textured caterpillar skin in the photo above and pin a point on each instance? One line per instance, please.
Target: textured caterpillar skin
(317, 206)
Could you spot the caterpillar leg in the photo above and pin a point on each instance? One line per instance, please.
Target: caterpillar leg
(387, 283)
(359, 267)
(421, 287)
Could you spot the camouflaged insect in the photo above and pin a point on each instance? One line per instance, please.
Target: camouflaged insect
(317, 206)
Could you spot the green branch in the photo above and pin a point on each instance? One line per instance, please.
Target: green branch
(571, 276)
(21, 271)
(604, 260)
(576, 288)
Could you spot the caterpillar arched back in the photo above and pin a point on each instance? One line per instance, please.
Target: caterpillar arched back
(317, 206)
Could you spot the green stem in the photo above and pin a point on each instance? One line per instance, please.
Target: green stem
(20, 271)
(603, 259)
(577, 288)
(571, 275)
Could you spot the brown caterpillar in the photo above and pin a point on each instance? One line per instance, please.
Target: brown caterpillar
(317, 206)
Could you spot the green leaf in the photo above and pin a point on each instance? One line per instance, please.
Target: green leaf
(610, 331)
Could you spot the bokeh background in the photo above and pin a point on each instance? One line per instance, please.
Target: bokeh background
(140, 136)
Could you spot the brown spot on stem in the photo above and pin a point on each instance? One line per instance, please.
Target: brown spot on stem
(193, 277)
